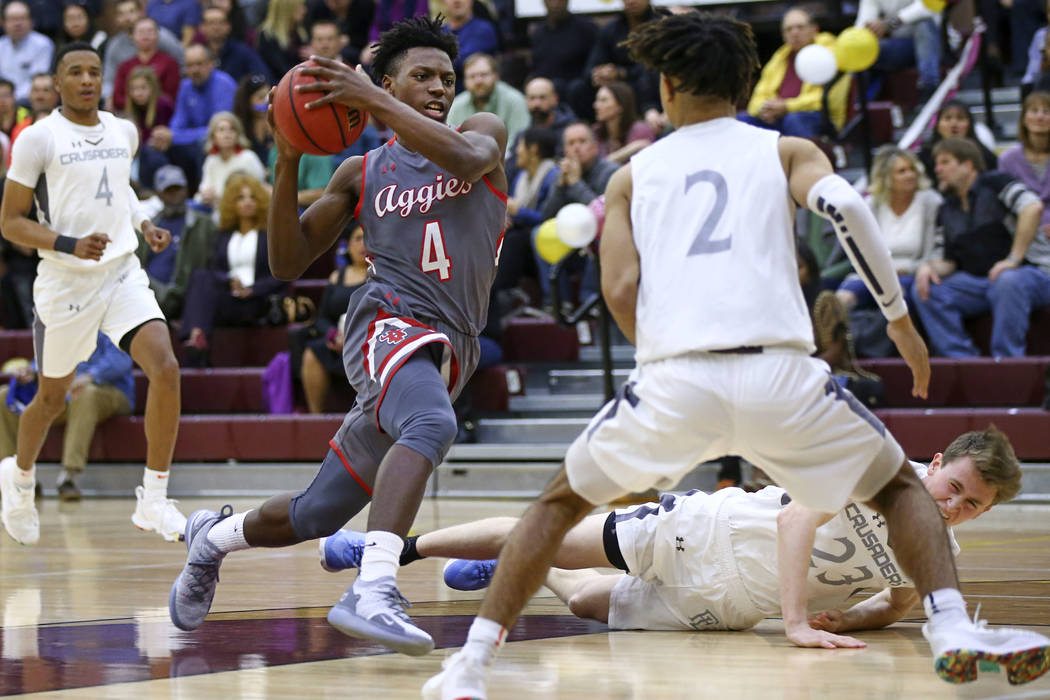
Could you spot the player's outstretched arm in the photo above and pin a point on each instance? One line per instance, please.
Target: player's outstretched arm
(470, 153)
(796, 530)
(812, 181)
(18, 228)
(880, 610)
(293, 243)
(621, 268)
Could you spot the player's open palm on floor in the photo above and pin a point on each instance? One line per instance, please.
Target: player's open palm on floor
(805, 635)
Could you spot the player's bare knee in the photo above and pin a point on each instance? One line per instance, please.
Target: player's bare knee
(163, 370)
(50, 401)
(904, 479)
(585, 605)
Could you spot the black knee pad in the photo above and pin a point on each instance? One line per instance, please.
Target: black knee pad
(329, 502)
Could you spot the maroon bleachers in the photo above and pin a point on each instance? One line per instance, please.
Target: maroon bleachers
(539, 340)
(209, 438)
(923, 432)
(980, 381)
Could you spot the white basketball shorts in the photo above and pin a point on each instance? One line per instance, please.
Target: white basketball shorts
(73, 305)
(683, 575)
(782, 411)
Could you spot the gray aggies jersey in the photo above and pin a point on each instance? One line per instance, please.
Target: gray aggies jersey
(430, 235)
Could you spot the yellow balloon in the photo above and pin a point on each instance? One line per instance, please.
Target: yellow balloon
(856, 49)
(548, 245)
(935, 5)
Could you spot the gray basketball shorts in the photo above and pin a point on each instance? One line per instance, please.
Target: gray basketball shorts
(382, 332)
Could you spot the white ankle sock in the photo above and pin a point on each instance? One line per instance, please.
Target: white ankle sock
(66, 475)
(155, 483)
(381, 556)
(945, 605)
(485, 639)
(25, 479)
(228, 535)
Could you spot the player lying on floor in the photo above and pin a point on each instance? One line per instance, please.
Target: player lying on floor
(710, 561)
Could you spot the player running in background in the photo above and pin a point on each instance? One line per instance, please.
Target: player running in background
(709, 561)
(707, 213)
(76, 164)
(432, 203)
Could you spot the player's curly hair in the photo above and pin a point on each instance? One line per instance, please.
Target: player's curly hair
(409, 34)
(710, 55)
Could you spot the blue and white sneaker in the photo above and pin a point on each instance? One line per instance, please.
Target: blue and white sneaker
(469, 574)
(192, 593)
(342, 550)
(376, 610)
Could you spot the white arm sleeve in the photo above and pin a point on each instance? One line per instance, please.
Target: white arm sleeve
(855, 225)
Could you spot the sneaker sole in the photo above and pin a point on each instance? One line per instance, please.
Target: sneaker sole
(961, 666)
(324, 559)
(356, 626)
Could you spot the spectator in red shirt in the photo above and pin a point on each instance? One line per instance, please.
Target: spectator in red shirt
(145, 35)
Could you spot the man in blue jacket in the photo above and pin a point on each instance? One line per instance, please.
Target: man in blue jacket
(103, 387)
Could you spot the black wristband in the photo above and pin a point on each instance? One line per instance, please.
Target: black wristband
(66, 244)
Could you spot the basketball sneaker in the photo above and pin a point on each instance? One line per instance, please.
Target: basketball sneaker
(192, 593)
(376, 610)
(17, 507)
(158, 515)
(462, 677)
(959, 645)
(342, 550)
(468, 574)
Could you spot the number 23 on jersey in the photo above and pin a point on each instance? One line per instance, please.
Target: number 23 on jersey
(433, 257)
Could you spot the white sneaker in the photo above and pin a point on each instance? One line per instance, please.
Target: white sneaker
(463, 677)
(958, 647)
(17, 509)
(158, 515)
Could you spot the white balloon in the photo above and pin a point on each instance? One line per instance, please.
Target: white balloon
(576, 225)
(816, 64)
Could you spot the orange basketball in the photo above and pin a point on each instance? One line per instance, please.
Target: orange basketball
(324, 131)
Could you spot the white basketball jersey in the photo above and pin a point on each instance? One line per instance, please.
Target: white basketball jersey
(713, 224)
(81, 180)
(850, 552)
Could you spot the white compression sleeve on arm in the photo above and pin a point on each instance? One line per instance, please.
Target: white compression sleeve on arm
(855, 225)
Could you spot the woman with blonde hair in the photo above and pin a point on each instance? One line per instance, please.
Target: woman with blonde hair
(283, 40)
(236, 287)
(906, 208)
(147, 106)
(229, 152)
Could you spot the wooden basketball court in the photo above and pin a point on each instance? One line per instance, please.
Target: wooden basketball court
(84, 615)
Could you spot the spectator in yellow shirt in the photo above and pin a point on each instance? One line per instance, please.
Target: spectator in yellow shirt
(781, 100)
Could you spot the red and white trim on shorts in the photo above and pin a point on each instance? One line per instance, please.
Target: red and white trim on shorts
(403, 351)
(346, 463)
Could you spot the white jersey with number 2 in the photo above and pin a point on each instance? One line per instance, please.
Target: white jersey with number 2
(81, 178)
(713, 223)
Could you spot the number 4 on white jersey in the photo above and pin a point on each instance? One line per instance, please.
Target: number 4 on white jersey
(433, 257)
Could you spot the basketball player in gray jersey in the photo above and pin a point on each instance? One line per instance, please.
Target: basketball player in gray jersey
(432, 203)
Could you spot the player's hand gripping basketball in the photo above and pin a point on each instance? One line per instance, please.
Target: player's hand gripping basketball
(284, 147)
(912, 348)
(157, 238)
(92, 246)
(340, 83)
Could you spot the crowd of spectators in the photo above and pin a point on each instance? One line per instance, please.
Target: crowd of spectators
(194, 76)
